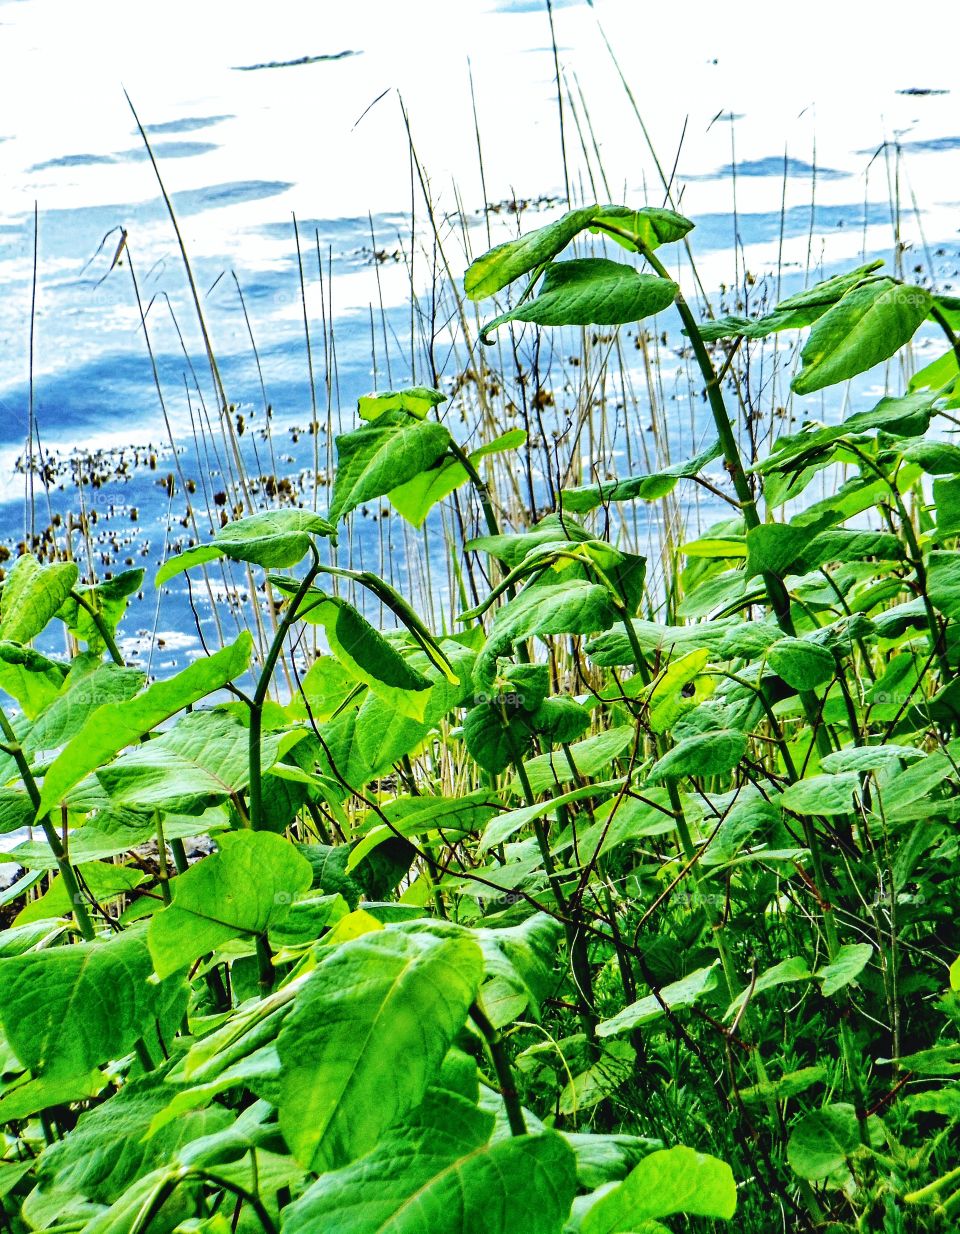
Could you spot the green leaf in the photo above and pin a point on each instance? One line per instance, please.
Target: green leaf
(590, 757)
(573, 606)
(793, 313)
(113, 726)
(417, 401)
(440, 1172)
(672, 1180)
(199, 555)
(367, 654)
(107, 1150)
(244, 889)
(501, 265)
(108, 599)
(801, 664)
(823, 1141)
(649, 227)
(591, 291)
(202, 760)
(417, 497)
(82, 694)
(273, 539)
(677, 995)
(69, 1009)
(650, 487)
(826, 794)
(520, 967)
(849, 963)
(31, 596)
(104, 880)
(367, 1035)
(784, 973)
(705, 754)
(784, 1087)
(381, 456)
(943, 582)
(869, 324)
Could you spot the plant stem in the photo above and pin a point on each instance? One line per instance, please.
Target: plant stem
(263, 685)
(501, 1065)
(67, 872)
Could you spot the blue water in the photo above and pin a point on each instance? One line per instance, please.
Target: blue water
(243, 152)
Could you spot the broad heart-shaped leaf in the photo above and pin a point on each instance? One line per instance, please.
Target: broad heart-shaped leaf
(439, 1172)
(115, 725)
(650, 487)
(520, 965)
(366, 1037)
(273, 539)
(378, 457)
(501, 265)
(801, 664)
(846, 966)
(591, 291)
(29, 677)
(367, 654)
(823, 1141)
(943, 582)
(869, 324)
(705, 754)
(415, 499)
(244, 888)
(672, 1180)
(417, 400)
(66, 1010)
(31, 595)
(203, 759)
(648, 227)
(823, 794)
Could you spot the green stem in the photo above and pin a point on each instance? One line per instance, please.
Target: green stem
(67, 872)
(501, 1066)
(777, 594)
(260, 695)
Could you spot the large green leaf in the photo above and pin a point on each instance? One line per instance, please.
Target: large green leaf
(31, 595)
(365, 652)
(417, 400)
(380, 456)
(439, 1172)
(417, 497)
(113, 726)
(823, 1141)
(108, 599)
(591, 291)
(801, 664)
(83, 692)
(274, 539)
(108, 1149)
(705, 754)
(682, 993)
(520, 966)
(672, 1180)
(846, 966)
(69, 1009)
(868, 325)
(202, 760)
(245, 888)
(501, 265)
(366, 1037)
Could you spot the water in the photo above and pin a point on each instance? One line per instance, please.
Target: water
(242, 149)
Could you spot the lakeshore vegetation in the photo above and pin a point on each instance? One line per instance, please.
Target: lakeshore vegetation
(626, 905)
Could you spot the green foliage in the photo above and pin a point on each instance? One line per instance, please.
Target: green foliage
(630, 906)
